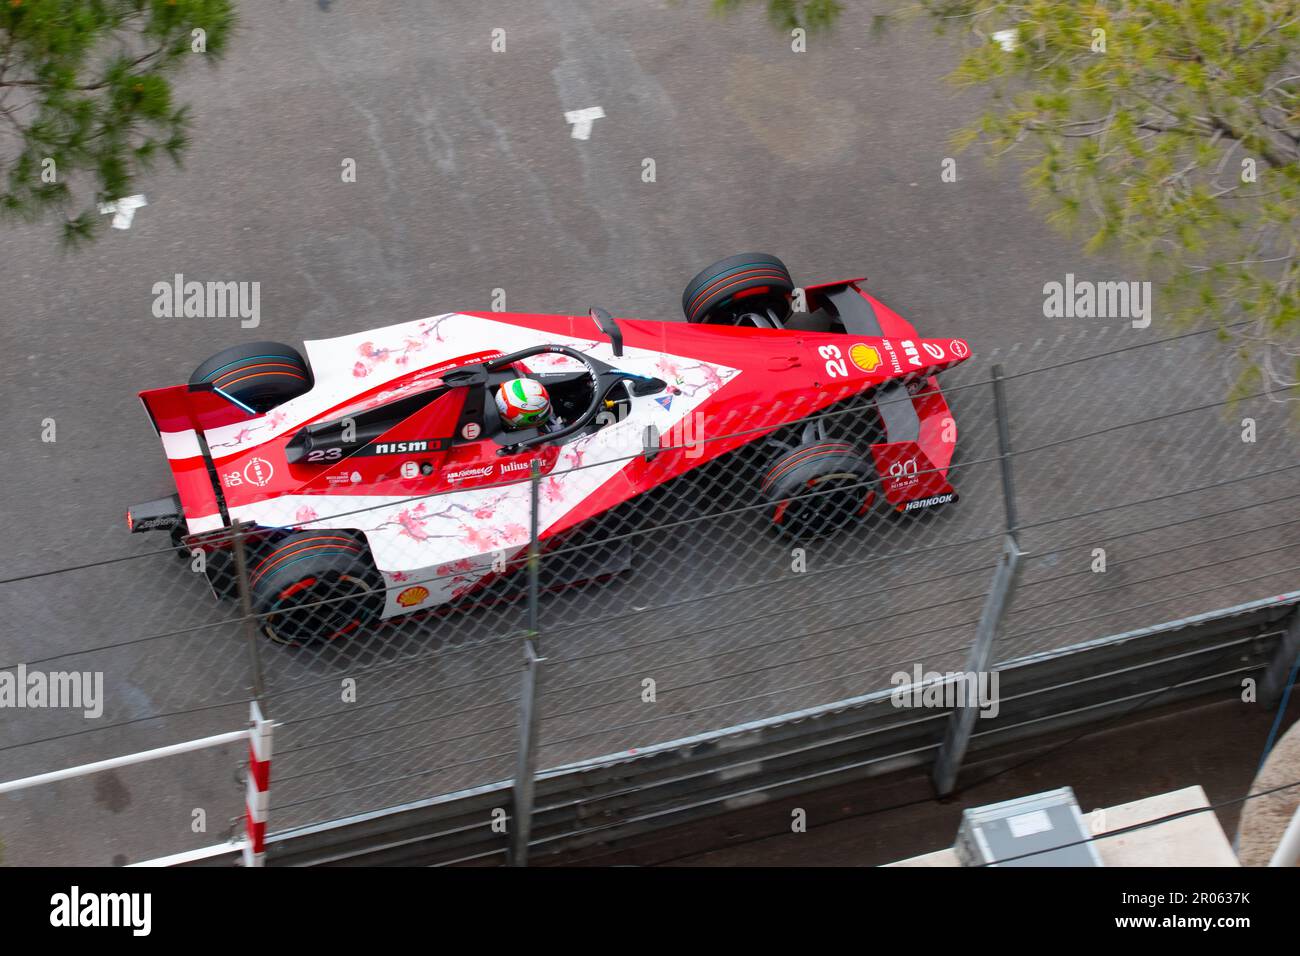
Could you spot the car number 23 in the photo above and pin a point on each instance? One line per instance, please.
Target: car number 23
(835, 364)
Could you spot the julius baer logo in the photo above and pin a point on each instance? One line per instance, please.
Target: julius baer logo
(77, 909)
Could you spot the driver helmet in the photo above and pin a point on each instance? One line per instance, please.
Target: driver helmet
(523, 402)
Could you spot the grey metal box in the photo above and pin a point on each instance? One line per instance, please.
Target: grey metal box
(1039, 824)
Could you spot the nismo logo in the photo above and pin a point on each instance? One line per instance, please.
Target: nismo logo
(405, 447)
(400, 447)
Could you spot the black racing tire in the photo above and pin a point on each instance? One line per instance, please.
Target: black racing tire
(262, 375)
(313, 587)
(177, 534)
(218, 563)
(709, 296)
(818, 488)
(219, 566)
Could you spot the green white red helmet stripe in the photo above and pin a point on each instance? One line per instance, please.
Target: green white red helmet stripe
(523, 401)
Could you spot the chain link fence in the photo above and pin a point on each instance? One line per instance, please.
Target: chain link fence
(1137, 493)
(1166, 504)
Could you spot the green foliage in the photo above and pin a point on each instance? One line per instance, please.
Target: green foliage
(1146, 137)
(811, 15)
(1139, 139)
(84, 84)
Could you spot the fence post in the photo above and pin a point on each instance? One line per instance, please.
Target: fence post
(1286, 662)
(957, 737)
(1004, 451)
(529, 718)
(952, 751)
(257, 796)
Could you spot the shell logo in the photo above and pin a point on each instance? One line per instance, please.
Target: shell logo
(865, 357)
(413, 596)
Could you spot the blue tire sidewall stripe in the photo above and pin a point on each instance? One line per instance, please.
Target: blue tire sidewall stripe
(332, 552)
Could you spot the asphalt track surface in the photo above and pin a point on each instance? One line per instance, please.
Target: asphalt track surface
(469, 181)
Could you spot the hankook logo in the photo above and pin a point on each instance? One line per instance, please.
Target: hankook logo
(927, 502)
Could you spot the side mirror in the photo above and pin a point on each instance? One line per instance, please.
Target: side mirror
(605, 322)
(650, 443)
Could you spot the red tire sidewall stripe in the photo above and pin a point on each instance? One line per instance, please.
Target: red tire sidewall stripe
(248, 368)
(735, 278)
(296, 548)
(718, 290)
(227, 383)
(801, 456)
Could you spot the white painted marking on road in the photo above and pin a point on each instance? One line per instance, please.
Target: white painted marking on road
(123, 211)
(1006, 39)
(581, 120)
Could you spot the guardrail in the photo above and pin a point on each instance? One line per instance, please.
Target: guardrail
(618, 796)
(258, 735)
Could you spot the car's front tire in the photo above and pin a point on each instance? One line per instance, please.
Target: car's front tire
(749, 281)
(817, 488)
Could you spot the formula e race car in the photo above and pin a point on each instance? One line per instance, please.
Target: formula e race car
(375, 477)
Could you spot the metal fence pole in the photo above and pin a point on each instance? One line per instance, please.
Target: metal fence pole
(1286, 662)
(534, 549)
(530, 722)
(957, 737)
(1004, 451)
(961, 724)
(529, 718)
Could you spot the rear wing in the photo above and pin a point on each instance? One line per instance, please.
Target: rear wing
(200, 408)
(180, 415)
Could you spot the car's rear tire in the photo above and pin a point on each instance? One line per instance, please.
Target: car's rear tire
(316, 586)
(177, 534)
(262, 375)
(818, 488)
(750, 281)
(219, 565)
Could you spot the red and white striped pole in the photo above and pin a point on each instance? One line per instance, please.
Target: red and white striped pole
(258, 797)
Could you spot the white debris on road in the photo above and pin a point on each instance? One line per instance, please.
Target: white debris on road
(581, 120)
(123, 211)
